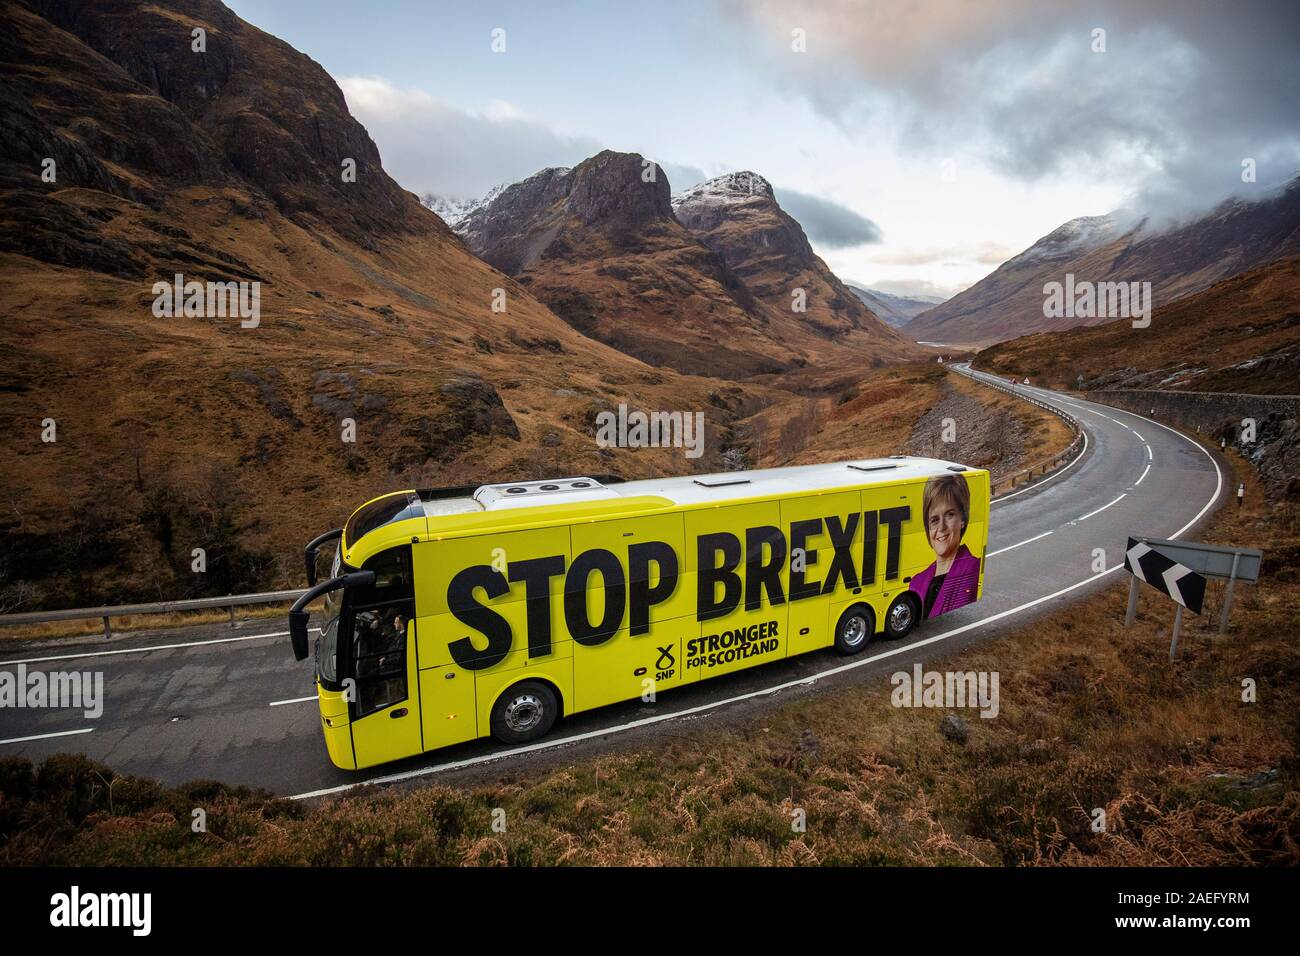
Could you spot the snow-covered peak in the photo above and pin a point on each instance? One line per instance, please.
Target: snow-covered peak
(731, 188)
(453, 209)
(1076, 236)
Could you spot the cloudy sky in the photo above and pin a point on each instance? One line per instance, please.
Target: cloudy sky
(919, 142)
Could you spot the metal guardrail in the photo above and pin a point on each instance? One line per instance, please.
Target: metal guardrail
(230, 602)
(1042, 468)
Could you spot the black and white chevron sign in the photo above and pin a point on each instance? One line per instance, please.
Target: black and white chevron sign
(1164, 574)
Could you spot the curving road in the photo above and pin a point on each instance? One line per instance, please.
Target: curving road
(232, 705)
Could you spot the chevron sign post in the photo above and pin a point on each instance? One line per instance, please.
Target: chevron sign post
(1182, 584)
(1148, 565)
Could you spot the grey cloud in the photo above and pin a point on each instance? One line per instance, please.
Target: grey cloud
(1184, 92)
(431, 147)
(682, 177)
(827, 223)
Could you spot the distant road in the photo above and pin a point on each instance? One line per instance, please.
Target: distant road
(229, 704)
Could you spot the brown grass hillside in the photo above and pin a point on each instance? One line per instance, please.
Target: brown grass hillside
(1240, 335)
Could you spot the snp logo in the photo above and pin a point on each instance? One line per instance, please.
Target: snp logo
(103, 909)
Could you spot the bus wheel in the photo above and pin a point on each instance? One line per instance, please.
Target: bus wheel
(524, 712)
(855, 628)
(901, 616)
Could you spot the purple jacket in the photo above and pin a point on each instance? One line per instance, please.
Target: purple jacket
(960, 587)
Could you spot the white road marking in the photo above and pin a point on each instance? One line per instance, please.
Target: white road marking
(1077, 458)
(1014, 546)
(1101, 509)
(144, 650)
(1150, 457)
(1144, 474)
(296, 700)
(61, 733)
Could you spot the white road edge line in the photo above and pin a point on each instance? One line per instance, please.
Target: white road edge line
(1150, 457)
(1144, 474)
(143, 650)
(296, 700)
(1012, 547)
(61, 733)
(645, 721)
(1077, 458)
(1102, 508)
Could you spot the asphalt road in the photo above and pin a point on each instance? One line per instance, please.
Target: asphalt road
(212, 702)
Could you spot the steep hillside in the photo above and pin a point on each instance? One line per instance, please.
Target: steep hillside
(738, 217)
(132, 437)
(1239, 335)
(1179, 261)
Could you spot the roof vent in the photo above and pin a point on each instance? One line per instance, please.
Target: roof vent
(540, 492)
(956, 467)
(720, 482)
(872, 467)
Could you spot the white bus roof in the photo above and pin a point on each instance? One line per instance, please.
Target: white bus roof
(693, 489)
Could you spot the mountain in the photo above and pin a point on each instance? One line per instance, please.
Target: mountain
(1242, 334)
(453, 210)
(698, 286)
(376, 359)
(1177, 261)
(895, 310)
(739, 218)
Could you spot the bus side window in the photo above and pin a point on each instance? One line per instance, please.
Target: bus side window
(381, 616)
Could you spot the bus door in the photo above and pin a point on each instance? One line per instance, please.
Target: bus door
(382, 663)
(655, 590)
(825, 535)
(737, 543)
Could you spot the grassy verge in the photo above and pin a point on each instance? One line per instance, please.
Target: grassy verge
(1092, 715)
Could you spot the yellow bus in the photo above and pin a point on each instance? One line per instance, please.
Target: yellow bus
(453, 614)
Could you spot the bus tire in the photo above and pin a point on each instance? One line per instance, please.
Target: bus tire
(525, 712)
(903, 614)
(854, 630)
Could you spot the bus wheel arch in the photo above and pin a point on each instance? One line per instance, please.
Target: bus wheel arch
(855, 628)
(526, 710)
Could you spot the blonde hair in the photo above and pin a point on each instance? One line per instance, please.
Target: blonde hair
(947, 486)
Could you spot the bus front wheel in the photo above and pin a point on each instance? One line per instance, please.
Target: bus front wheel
(524, 712)
(854, 629)
(902, 616)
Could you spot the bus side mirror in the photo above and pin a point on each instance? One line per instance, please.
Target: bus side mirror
(298, 633)
(309, 555)
(298, 614)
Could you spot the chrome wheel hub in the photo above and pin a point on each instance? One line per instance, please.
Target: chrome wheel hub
(855, 630)
(523, 713)
(900, 617)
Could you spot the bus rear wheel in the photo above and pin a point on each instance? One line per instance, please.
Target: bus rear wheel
(525, 712)
(854, 630)
(902, 616)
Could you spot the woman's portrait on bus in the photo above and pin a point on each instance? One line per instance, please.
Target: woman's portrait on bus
(952, 581)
